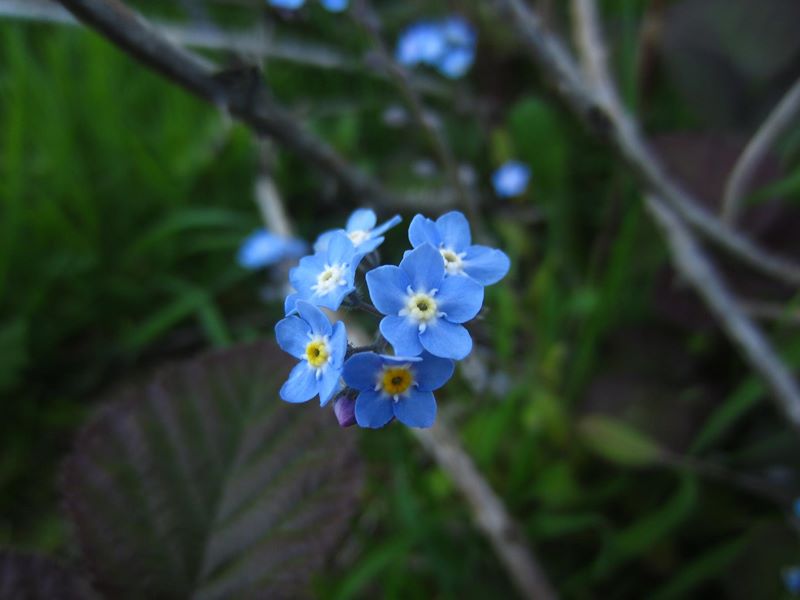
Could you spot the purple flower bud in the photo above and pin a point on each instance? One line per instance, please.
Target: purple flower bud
(345, 409)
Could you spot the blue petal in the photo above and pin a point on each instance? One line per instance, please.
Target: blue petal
(418, 409)
(288, 4)
(387, 225)
(324, 240)
(361, 370)
(423, 230)
(261, 249)
(333, 300)
(304, 275)
(402, 334)
(373, 410)
(335, 5)
(338, 345)
(369, 245)
(459, 298)
(486, 265)
(290, 304)
(399, 360)
(424, 267)
(362, 219)
(456, 62)
(340, 249)
(387, 288)
(301, 385)
(446, 340)
(292, 335)
(454, 229)
(328, 384)
(432, 372)
(314, 317)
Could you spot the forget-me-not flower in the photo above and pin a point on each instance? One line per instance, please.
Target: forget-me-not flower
(511, 179)
(262, 249)
(424, 309)
(447, 45)
(321, 349)
(362, 231)
(450, 234)
(335, 5)
(459, 52)
(329, 5)
(326, 277)
(287, 4)
(420, 43)
(791, 579)
(393, 386)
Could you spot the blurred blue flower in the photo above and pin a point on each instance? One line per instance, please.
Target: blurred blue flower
(796, 507)
(335, 5)
(450, 234)
(262, 249)
(791, 579)
(448, 46)
(392, 386)
(321, 350)
(511, 179)
(361, 230)
(326, 277)
(424, 309)
(287, 4)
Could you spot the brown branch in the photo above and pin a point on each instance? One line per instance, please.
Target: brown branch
(621, 130)
(241, 93)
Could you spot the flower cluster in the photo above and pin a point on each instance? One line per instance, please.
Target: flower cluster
(330, 5)
(423, 303)
(447, 45)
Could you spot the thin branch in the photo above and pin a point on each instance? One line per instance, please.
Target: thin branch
(242, 92)
(369, 20)
(488, 510)
(772, 311)
(559, 66)
(692, 263)
(738, 184)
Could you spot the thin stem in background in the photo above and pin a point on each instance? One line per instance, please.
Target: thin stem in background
(738, 184)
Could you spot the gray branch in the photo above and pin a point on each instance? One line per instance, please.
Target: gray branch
(489, 512)
(560, 67)
(738, 184)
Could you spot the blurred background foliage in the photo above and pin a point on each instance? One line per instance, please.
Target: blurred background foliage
(603, 404)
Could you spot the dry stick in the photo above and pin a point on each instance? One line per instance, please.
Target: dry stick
(489, 512)
(242, 93)
(693, 264)
(555, 60)
(366, 16)
(700, 271)
(738, 183)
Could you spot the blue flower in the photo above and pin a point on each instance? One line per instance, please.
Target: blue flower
(420, 43)
(392, 386)
(361, 230)
(791, 579)
(287, 4)
(325, 278)
(262, 249)
(451, 236)
(424, 309)
(321, 350)
(511, 179)
(459, 52)
(335, 5)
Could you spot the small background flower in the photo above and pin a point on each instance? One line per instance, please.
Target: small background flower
(511, 179)
(450, 234)
(321, 349)
(326, 277)
(262, 249)
(361, 230)
(399, 387)
(447, 45)
(424, 309)
(330, 5)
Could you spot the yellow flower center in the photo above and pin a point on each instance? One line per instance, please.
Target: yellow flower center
(396, 380)
(317, 353)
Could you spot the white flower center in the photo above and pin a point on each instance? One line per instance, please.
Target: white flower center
(318, 353)
(329, 279)
(453, 261)
(358, 237)
(420, 308)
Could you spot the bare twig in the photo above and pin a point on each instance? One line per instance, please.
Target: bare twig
(558, 65)
(738, 184)
(488, 510)
(688, 256)
(242, 93)
(691, 262)
(369, 20)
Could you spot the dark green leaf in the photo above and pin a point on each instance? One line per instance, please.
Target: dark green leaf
(204, 483)
(617, 442)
